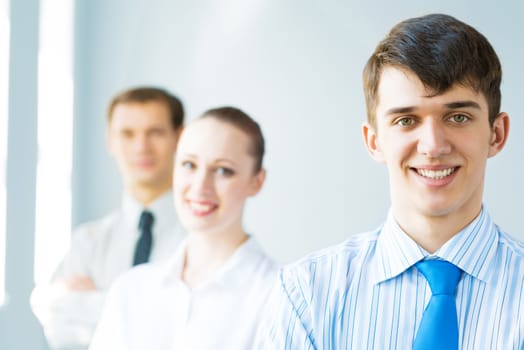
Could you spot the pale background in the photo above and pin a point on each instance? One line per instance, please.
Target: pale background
(295, 66)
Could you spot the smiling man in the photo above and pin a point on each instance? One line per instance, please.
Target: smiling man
(142, 131)
(438, 274)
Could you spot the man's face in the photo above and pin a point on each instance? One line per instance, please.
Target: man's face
(435, 147)
(142, 140)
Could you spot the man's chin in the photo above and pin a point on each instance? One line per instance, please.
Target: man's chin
(145, 181)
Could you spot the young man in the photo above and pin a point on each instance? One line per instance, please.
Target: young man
(143, 128)
(438, 274)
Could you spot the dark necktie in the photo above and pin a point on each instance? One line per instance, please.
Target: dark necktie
(439, 326)
(145, 242)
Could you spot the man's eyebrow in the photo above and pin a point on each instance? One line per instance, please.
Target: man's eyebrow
(451, 105)
(462, 104)
(400, 110)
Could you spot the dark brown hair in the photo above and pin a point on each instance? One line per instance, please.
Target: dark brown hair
(441, 51)
(150, 94)
(245, 123)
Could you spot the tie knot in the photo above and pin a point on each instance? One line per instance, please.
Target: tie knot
(441, 275)
(146, 220)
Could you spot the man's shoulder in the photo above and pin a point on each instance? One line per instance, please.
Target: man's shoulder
(512, 245)
(330, 263)
(347, 250)
(98, 226)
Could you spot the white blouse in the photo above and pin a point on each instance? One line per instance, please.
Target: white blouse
(150, 307)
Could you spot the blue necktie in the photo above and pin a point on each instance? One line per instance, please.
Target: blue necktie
(438, 328)
(145, 242)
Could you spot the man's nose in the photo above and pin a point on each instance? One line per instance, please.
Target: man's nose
(432, 139)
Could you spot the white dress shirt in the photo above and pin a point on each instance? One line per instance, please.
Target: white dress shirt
(150, 307)
(101, 250)
(366, 293)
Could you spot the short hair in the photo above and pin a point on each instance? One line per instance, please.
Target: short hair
(246, 124)
(441, 51)
(150, 94)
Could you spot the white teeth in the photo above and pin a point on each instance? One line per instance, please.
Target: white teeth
(200, 207)
(435, 174)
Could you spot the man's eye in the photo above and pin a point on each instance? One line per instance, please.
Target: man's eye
(459, 118)
(157, 132)
(223, 171)
(406, 121)
(127, 134)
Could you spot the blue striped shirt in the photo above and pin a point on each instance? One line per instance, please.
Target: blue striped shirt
(366, 293)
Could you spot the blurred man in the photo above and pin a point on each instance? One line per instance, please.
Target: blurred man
(143, 125)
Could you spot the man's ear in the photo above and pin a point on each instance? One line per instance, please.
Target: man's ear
(499, 134)
(372, 144)
(258, 182)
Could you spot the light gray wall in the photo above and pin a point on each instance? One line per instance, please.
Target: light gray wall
(19, 329)
(296, 67)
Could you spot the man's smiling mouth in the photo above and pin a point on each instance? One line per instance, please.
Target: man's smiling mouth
(436, 174)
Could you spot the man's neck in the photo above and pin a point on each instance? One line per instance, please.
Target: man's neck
(146, 195)
(432, 232)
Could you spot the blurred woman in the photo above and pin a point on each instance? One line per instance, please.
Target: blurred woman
(211, 293)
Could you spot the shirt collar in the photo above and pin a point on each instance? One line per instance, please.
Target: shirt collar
(173, 267)
(396, 251)
(472, 249)
(240, 264)
(162, 208)
(232, 273)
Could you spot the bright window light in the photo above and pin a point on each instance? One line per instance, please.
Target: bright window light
(55, 130)
(4, 85)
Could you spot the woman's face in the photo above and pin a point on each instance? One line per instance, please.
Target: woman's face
(214, 174)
